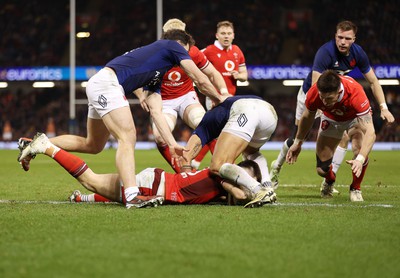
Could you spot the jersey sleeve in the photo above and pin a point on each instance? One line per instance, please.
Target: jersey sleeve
(362, 60)
(198, 57)
(242, 59)
(312, 99)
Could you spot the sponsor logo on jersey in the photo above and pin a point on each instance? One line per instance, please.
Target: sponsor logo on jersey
(229, 65)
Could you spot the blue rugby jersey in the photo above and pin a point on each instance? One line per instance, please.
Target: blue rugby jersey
(146, 65)
(329, 57)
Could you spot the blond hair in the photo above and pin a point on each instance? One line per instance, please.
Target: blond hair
(174, 23)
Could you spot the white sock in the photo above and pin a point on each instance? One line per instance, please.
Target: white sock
(195, 164)
(87, 198)
(262, 163)
(240, 177)
(131, 192)
(282, 155)
(338, 158)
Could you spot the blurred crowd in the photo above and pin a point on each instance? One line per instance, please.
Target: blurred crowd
(36, 33)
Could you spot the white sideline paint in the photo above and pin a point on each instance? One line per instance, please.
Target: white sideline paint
(276, 204)
(273, 145)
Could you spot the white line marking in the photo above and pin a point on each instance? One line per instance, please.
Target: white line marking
(330, 205)
(49, 202)
(275, 204)
(337, 185)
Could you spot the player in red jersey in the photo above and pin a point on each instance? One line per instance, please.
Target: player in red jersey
(226, 57)
(229, 60)
(179, 97)
(345, 107)
(155, 185)
(198, 187)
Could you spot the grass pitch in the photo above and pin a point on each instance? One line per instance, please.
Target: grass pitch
(303, 235)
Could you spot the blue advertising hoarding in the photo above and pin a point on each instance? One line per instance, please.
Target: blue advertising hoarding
(262, 72)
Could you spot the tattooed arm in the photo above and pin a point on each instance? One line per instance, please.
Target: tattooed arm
(193, 146)
(363, 137)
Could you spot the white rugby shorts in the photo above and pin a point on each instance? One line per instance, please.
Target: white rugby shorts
(253, 120)
(334, 129)
(104, 94)
(177, 106)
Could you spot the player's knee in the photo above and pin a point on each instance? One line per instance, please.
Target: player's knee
(323, 167)
(215, 167)
(95, 147)
(195, 116)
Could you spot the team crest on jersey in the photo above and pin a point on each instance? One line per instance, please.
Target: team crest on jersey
(325, 125)
(242, 120)
(174, 76)
(229, 65)
(102, 100)
(353, 63)
(336, 65)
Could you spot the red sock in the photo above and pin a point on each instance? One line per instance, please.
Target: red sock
(202, 153)
(330, 176)
(356, 184)
(164, 150)
(73, 164)
(101, 199)
(211, 145)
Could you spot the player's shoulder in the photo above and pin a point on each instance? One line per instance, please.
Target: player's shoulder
(194, 49)
(350, 82)
(329, 47)
(236, 47)
(357, 50)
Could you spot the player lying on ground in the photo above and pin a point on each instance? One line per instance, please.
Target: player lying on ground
(243, 125)
(155, 185)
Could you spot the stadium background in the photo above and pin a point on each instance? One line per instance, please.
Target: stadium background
(36, 33)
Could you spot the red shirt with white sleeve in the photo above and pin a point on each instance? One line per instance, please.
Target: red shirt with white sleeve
(225, 61)
(176, 82)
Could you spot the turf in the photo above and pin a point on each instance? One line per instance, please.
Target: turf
(301, 236)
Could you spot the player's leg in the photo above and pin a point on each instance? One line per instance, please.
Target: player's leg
(192, 116)
(356, 135)
(104, 184)
(162, 147)
(227, 150)
(340, 152)
(120, 124)
(324, 152)
(96, 139)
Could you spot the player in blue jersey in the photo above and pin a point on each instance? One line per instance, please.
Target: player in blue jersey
(242, 125)
(109, 111)
(341, 54)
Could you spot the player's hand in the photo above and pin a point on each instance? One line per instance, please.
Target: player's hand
(356, 166)
(177, 155)
(293, 153)
(387, 116)
(235, 74)
(144, 105)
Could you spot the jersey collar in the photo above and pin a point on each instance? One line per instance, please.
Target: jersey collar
(342, 93)
(218, 45)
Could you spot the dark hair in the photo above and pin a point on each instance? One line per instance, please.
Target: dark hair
(347, 25)
(178, 35)
(328, 82)
(250, 164)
